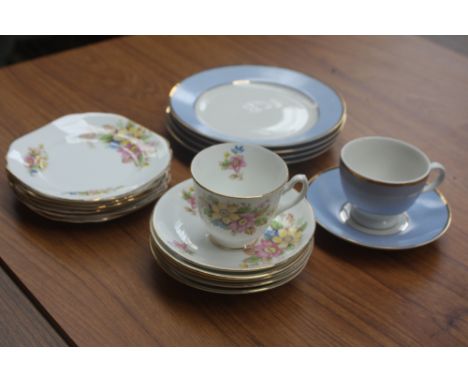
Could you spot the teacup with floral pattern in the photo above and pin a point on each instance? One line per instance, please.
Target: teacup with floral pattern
(238, 190)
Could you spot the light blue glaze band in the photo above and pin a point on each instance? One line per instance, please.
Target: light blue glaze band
(429, 216)
(184, 98)
(378, 199)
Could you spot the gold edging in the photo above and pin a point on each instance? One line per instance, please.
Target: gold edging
(240, 197)
(446, 227)
(92, 218)
(289, 160)
(294, 158)
(179, 140)
(231, 281)
(220, 290)
(249, 196)
(381, 182)
(337, 126)
(116, 198)
(202, 141)
(342, 118)
(173, 89)
(236, 272)
(129, 196)
(76, 210)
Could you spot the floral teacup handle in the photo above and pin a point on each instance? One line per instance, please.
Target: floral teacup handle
(300, 178)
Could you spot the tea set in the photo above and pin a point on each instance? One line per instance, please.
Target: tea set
(238, 225)
(379, 197)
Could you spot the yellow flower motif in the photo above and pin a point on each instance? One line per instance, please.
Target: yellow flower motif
(42, 163)
(135, 132)
(287, 236)
(225, 212)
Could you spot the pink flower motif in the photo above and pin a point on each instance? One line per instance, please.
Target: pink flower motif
(36, 159)
(126, 155)
(29, 160)
(192, 202)
(245, 224)
(182, 246)
(237, 163)
(189, 196)
(267, 249)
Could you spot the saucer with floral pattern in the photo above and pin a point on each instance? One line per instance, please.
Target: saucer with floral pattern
(177, 226)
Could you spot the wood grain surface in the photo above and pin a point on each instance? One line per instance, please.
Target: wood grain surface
(100, 284)
(21, 324)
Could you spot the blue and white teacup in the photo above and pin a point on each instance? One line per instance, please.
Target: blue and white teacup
(240, 189)
(382, 177)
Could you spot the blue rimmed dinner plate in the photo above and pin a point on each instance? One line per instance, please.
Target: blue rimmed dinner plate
(270, 106)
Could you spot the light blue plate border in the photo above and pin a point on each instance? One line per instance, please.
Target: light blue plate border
(184, 95)
(429, 217)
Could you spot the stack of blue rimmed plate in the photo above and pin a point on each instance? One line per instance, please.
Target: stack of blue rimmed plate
(292, 114)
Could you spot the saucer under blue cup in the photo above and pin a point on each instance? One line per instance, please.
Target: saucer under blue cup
(429, 217)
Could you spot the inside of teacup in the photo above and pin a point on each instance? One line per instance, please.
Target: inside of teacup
(239, 170)
(385, 159)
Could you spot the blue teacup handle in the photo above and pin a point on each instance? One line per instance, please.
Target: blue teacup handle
(299, 178)
(438, 180)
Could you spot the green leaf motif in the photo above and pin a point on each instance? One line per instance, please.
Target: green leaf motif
(106, 138)
(261, 220)
(224, 164)
(302, 227)
(276, 225)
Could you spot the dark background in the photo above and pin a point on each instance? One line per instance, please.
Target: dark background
(15, 49)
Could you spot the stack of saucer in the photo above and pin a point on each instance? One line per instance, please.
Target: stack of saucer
(181, 246)
(88, 167)
(290, 113)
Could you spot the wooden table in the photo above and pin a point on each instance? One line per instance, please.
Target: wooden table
(66, 284)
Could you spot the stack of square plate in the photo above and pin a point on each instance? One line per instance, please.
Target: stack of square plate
(288, 112)
(88, 167)
(184, 250)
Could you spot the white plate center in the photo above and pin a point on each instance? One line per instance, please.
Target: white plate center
(257, 110)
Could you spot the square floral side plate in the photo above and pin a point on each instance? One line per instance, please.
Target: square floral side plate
(88, 156)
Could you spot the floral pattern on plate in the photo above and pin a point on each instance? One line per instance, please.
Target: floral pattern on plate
(283, 234)
(237, 218)
(184, 247)
(189, 196)
(170, 221)
(132, 141)
(234, 160)
(101, 191)
(36, 160)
